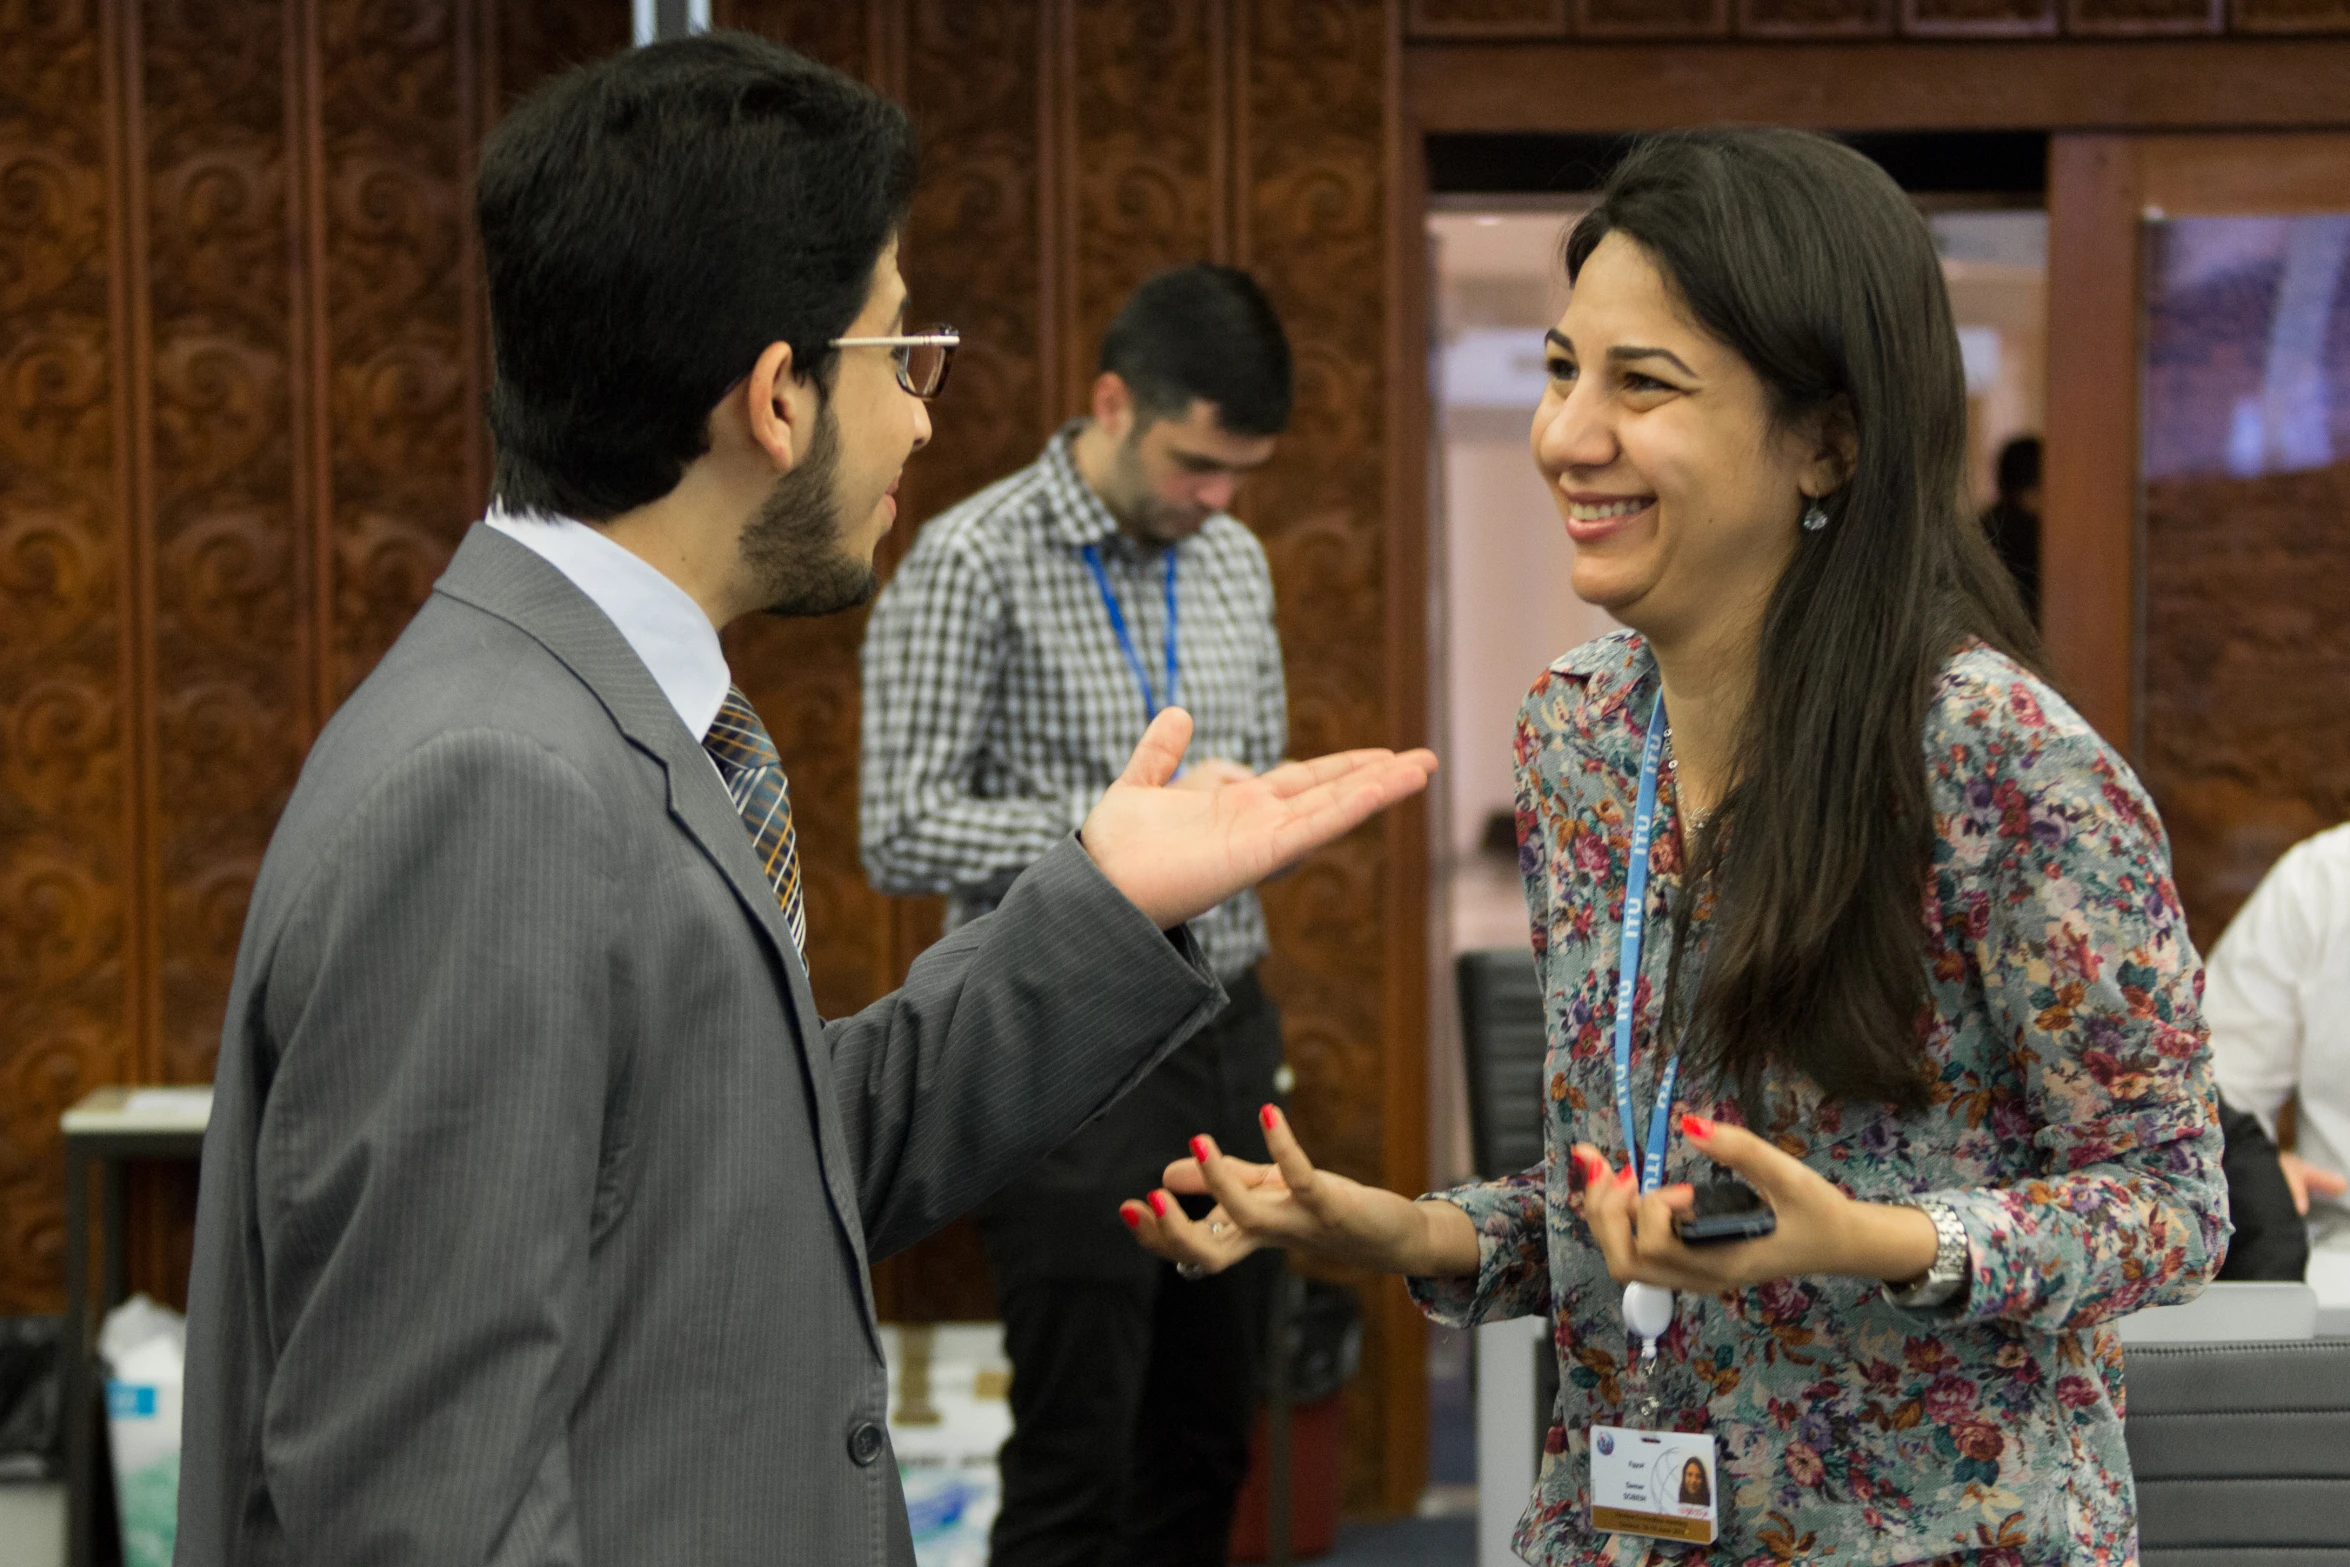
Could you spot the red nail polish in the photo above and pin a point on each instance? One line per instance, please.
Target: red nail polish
(1696, 1126)
(1624, 1176)
(1132, 1217)
(1159, 1204)
(1199, 1149)
(1266, 1115)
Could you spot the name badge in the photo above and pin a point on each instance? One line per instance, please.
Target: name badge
(1659, 1484)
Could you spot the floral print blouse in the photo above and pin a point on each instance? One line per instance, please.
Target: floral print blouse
(2073, 1128)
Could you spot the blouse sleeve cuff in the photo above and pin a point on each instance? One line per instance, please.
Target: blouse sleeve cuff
(1513, 1274)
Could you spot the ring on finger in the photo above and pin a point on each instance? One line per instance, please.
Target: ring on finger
(1190, 1272)
(1216, 1226)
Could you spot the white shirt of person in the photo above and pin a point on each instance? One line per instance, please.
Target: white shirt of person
(2277, 998)
(658, 619)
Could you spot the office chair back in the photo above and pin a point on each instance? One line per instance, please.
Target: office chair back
(1503, 1041)
(2241, 1452)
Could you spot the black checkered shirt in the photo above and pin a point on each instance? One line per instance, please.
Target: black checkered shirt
(998, 705)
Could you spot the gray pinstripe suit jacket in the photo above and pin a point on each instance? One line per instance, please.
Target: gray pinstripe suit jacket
(537, 1201)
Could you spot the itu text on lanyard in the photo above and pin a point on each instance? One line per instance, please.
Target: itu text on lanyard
(1649, 1483)
(1648, 1308)
(1151, 703)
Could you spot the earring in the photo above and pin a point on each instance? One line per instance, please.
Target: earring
(1815, 517)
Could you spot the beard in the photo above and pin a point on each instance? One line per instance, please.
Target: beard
(1153, 520)
(793, 546)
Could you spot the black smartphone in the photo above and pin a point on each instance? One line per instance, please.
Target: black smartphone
(1725, 1211)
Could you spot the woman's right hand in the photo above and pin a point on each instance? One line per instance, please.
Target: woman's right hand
(1291, 1204)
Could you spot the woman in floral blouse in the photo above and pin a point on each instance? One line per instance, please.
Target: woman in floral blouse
(1913, 935)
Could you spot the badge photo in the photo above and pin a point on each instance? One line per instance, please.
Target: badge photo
(1661, 1485)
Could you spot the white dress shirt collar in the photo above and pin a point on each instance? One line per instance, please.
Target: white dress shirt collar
(658, 618)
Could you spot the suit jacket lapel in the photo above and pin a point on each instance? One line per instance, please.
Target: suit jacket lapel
(497, 575)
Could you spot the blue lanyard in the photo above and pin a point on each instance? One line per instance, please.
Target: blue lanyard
(1101, 579)
(1651, 1171)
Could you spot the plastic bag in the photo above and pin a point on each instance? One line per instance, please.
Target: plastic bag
(146, 1349)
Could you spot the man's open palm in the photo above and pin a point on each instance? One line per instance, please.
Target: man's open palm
(1177, 853)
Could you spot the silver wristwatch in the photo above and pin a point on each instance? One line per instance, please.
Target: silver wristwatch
(1947, 1278)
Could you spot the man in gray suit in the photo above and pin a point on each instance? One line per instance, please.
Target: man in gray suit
(538, 1201)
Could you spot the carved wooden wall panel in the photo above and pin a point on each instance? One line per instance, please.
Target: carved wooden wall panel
(400, 372)
(1436, 19)
(1814, 18)
(70, 965)
(223, 665)
(2291, 16)
(1070, 151)
(1652, 18)
(973, 249)
(974, 255)
(225, 654)
(1314, 209)
(1146, 123)
(530, 42)
(838, 34)
(240, 330)
(1978, 18)
(1448, 21)
(2144, 18)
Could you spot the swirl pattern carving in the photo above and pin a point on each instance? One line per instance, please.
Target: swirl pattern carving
(2291, 16)
(972, 246)
(531, 40)
(1438, 20)
(67, 860)
(1814, 18)
(1652, 18)
(972, 255)
(406, 450)
(2137, 17)
(183, 594)
(1314, 208)
(1147, 182)
(1978, 18)
(227, 670)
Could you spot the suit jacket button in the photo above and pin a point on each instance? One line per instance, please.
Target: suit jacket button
(866, 1442)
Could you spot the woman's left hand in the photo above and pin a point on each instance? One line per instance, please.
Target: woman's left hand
(1820, 1230)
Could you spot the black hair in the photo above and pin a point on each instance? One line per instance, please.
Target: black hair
(2019, 466)
(1807, 261)
(1203, 332)
(651, 223)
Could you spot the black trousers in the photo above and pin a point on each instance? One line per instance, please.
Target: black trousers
(1133, 1391)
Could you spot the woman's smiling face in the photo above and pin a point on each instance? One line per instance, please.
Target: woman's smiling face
(1681, 494)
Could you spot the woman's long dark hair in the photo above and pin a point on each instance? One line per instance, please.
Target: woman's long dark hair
(1805, 259)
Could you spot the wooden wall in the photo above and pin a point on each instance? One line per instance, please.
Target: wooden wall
(242, 341)
(1069, 151)
(241, 346)
(1621, 20)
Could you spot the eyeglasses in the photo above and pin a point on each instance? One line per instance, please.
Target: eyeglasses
(921, 357)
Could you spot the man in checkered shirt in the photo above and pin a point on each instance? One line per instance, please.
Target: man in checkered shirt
(1009, 668)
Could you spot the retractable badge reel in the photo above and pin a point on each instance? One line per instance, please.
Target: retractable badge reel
(1656, 1484)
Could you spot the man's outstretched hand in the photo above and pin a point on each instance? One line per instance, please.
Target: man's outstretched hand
(1179, 852)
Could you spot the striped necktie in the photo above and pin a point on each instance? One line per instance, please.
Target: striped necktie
(746, 759)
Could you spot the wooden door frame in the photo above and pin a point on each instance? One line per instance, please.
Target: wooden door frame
(2102, 188)
(2106, 105)
(2098, 100)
